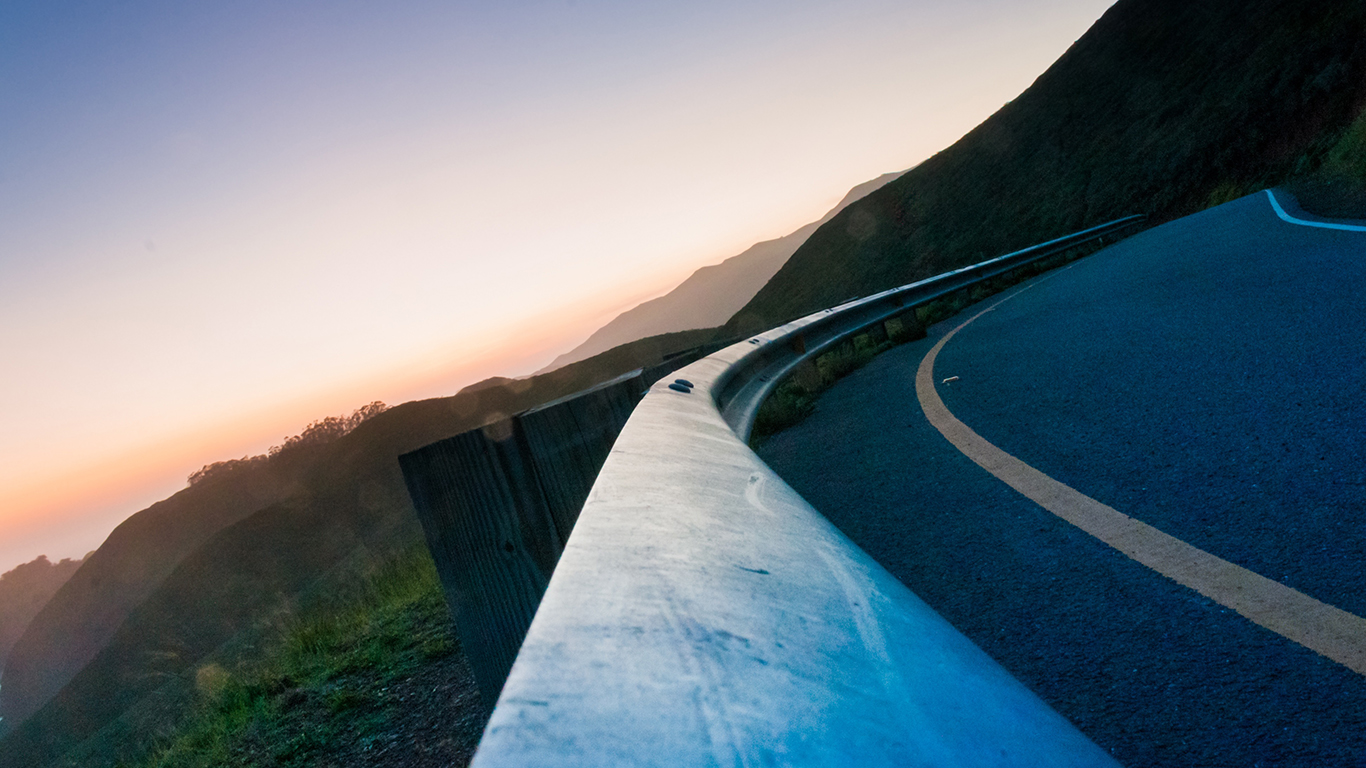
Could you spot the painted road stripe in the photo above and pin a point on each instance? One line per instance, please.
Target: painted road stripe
(1330, 631)
(1276, 205)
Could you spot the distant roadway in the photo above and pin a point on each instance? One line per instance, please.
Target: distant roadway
(1139, 483)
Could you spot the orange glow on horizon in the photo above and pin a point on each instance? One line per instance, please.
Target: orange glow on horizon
(198, 265)
(102, 491)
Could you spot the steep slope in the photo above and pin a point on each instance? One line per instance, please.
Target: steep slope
(712, 294)
(24, 591)
(349, 507)
(1163, 107)
(90, 607)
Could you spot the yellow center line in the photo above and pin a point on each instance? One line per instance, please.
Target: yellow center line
(1318, 626)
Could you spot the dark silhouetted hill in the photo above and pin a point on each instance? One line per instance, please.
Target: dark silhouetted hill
(492, 381)
(1332, 195)
(347, 506)
(23, 591)
(89, 608)
(712, 294)
(1163, 107)
(82, 616)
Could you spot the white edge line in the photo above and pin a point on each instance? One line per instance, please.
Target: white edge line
(1305, 222)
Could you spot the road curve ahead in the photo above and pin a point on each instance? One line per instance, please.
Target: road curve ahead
(1204, 382)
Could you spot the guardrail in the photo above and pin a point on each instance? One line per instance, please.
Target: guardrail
(703, 613)
(497, 504)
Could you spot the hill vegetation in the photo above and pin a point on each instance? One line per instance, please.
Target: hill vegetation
(82, 616)
(270, 539)
(370, 676)
(23, 591)
(1163, 107)
(278, 598)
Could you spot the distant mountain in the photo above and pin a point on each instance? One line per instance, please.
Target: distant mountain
(1163, 107)
(108, 666)
(23, 591)
(492, 381)
(712, 294)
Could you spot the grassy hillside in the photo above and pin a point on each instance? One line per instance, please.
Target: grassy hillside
(84, 614)
(23, 591)
(1163, 107)
(348, 508)
(370, 676)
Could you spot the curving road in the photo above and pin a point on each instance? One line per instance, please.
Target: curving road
(1204, 381)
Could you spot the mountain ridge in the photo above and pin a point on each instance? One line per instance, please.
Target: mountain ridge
(1163, 107)
(24, 590)
(346, 505)
(712, 294)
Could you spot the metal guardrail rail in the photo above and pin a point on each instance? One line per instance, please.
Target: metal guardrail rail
(703, 613)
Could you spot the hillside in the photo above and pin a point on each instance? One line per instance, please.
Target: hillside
(1163, 107)
(23, 591)
(138, 555)
(712, 294)
(382, 652)
(348, 507)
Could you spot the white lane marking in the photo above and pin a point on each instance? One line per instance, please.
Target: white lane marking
(1306, 223)
(1318, 626)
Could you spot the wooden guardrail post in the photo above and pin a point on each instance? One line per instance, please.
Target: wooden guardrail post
(567, 442)
(497, 505)
(492, 537)
(702, 595)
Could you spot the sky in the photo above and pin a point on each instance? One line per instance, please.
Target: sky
(222, 221)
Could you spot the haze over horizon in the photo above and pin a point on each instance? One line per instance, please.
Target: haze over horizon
(219, 223)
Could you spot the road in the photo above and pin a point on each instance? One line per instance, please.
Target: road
(1206, 379)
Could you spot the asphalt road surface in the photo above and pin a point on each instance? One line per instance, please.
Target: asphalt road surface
(1206, 378)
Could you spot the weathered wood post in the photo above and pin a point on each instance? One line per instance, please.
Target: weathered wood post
(568, 440)
(492, 538)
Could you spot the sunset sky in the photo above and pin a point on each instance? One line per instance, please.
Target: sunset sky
(222, 221)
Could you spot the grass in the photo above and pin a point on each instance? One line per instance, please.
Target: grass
(321, 685)
(795, 398)
(1338, 188)
(1347, 158)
